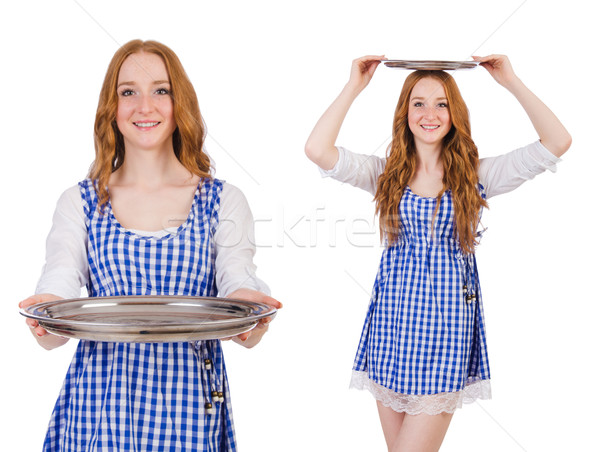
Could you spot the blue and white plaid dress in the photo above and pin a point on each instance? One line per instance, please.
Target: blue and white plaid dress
(147, 396)
(423, 344)
(424, 332)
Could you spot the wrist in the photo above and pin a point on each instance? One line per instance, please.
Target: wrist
(353, 89)
(514, 85)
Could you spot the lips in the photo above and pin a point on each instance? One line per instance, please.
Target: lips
(145, 125)
(430, 127)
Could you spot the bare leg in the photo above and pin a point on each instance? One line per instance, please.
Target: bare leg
(391, 422)
(422, 433)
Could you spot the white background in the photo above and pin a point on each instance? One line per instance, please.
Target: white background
(264, 71)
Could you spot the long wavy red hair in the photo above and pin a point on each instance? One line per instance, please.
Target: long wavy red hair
(189, 135)
(460, 163)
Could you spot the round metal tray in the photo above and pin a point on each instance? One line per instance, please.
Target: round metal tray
(430, 65)
(148, 318)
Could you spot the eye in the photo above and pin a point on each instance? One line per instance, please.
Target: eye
(127, 92)
(442, 105)
(162, 91)
(418, 104)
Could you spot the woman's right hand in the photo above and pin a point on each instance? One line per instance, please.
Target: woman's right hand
(47, 341)
(320, 146)
(363, 69)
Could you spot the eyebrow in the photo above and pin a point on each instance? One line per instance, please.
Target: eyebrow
(423, 98)
(155, 82)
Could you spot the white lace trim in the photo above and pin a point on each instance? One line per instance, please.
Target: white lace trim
(432, 404)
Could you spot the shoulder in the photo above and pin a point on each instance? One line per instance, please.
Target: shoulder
(230, 191)
(232, 197)
(70, 204)
(71, 193)
(70, 198)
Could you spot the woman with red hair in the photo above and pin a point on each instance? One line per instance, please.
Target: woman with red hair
(422, 352)
(149, 220)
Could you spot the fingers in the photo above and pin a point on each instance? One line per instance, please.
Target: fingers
(370, 58)
(368, 63)
(36, 329)
(38, 298)
(271, 302)
(34, 299)
(256, 296)
(494, 61)
(244, 336)
(39, 331)
(499, 68)
(252, 337)
(487, 58)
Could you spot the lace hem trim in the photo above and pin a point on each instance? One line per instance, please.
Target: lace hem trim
(431, 404)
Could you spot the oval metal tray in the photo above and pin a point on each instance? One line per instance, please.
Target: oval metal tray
(153, 318)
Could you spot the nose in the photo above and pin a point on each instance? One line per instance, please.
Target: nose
(430, 112)
(145, 103)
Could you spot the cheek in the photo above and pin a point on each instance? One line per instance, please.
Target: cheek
(413, 119)
(124, 110)
(166, 108)
(446, 120)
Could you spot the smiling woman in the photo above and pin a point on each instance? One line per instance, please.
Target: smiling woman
(149, 220)
(428, 115)
(423, 348)
(145, 111)
(163, 66)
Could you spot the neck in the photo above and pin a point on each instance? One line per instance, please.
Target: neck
(149, 168)
(428, 158)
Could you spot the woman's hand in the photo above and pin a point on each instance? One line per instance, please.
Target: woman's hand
(320, 146)
(362, 71)
(47, 341)
(552, 133)
(253, 337)
(499, 67)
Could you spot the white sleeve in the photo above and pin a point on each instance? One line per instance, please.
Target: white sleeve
(506, 172)
(235, 244)
(66, 269)
(359, 170)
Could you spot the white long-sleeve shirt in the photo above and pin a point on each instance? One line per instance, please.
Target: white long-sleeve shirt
(66, 269)
(498, 175)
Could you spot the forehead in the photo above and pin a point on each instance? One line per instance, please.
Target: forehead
(428, 87)
(142, 67)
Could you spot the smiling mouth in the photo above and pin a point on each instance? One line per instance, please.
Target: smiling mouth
(146, 124)
(430, 127)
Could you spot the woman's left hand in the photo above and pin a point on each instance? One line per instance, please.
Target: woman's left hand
(552, 133)
(499, 67)
(253, 337)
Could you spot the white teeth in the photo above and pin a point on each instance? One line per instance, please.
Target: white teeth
(430, 127)
(145, 124)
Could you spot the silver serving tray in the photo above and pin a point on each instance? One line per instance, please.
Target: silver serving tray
(148, 318)
(430, 65)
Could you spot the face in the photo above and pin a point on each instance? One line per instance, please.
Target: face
(145, 108)
(428, 113)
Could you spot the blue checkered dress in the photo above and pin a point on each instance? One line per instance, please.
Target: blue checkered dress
(147, 396)
(424, 331)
